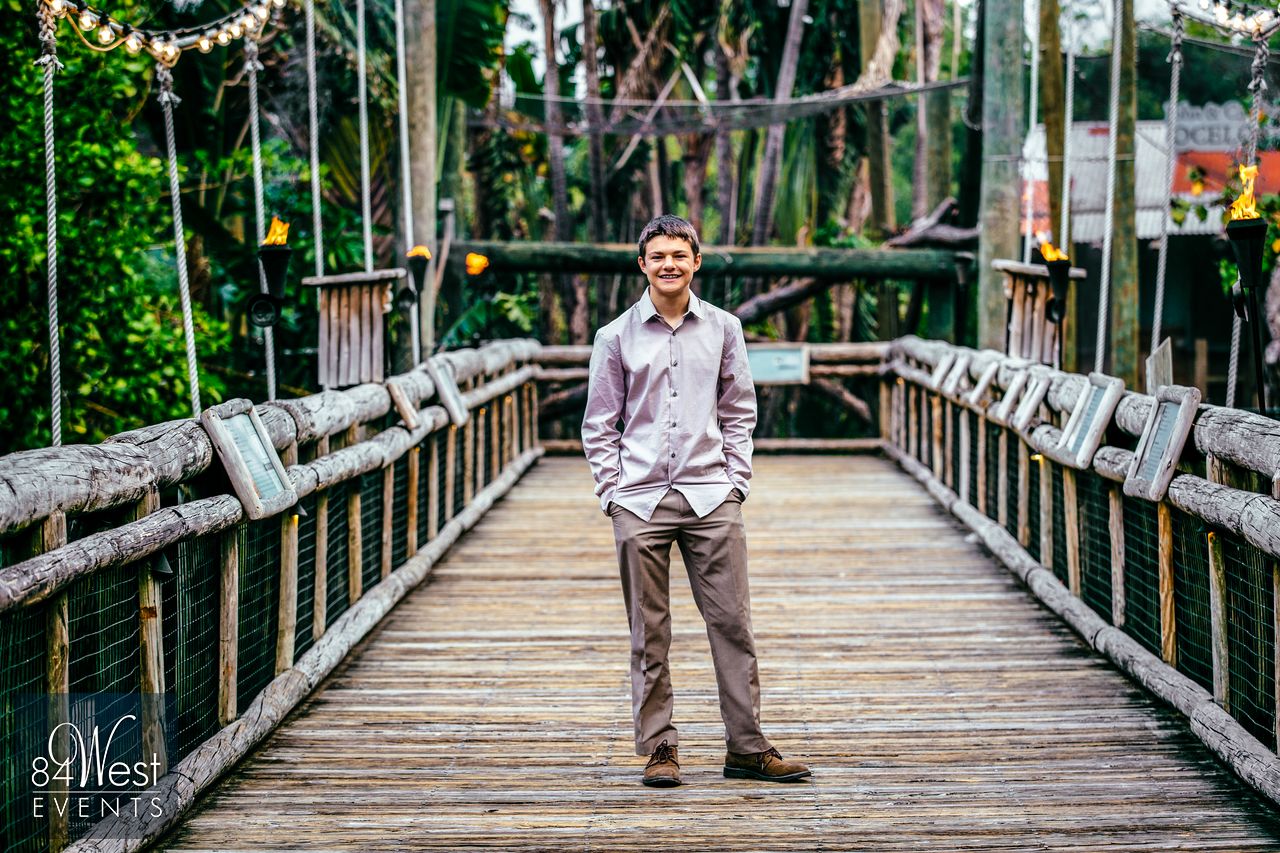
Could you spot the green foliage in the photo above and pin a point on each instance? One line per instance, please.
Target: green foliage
(123, 362)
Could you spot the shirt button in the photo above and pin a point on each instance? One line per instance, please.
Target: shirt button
(673, 455)
(674, 363)
(675, 393)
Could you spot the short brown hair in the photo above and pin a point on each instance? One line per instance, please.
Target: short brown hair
(667, 225)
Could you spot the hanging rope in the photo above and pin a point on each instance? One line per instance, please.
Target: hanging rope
(168, 100)
(406, 178)
(251, 67)
(49, 62)
(1033, 108)
(1064, 239)
(1113, 151)
(1233, 365)
(362, 88)
(1171, 159)
(313, 118)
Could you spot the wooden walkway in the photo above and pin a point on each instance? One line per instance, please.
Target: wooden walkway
(940, 707)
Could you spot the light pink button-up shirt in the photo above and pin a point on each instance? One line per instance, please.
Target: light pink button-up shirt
(686, 402)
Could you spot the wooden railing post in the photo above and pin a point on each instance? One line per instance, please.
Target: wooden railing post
(935, 429)
(320, 599)
(411, 502)
(980, 424)
(508, 432)
(433, 485)
(886, 410)
(534, 438)
(963, 486)
(388, 520)
(228, 625)
(469, 459)
(1168, 621)
(287, 620)
(1115, 519)
(1071, 535)
(913, 424)
(450, 470)
(1218, 620)
(495, 439)
(1024, 493)
(1046, 511)
(948, 470)
(151, 683)
(355, 534)
(1002, 482)
(48, 535)
(482, 433)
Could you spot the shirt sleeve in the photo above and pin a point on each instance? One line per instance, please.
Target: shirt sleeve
(606, 394)
(736, 407)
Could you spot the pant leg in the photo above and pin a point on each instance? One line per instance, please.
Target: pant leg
(714, 549)
(644, 563)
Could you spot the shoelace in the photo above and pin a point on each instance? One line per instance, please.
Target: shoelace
(662, 754)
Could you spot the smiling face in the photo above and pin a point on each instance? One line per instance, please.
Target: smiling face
(669, 264)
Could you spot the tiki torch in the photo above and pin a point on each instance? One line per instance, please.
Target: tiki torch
(273, 256)
(1059, 279)
(1247, 232)
(407, 298)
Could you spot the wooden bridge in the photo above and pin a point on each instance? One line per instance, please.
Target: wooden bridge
(434, 655)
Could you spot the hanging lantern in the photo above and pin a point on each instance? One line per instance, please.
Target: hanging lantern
(273, 255)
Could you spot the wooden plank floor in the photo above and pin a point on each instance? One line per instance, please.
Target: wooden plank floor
(940, 707)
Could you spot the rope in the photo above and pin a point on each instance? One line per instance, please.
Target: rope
(1233, 365)
(1033, 109)
(1171, 158)
(1064, 239)
(313, 110)
(251, 67)
(406, 178)
(1104, 286)
(363, 92)
(1257, 89)
(168, 100)
(49, 62)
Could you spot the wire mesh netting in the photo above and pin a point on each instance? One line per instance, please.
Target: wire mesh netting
(370, 486)
(1142, 573)
(1059, 526)
(189, 614)
(305, 619)
(1093, 494)
(459, 462)
(1012, 484)
(1191, 598)
(400, 511)
(954, 416)
(259, 608)
(22, 725)
(337, 597)
(1250, 638)
(1033, 508)
(993, 469)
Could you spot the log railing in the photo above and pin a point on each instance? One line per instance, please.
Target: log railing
(127, 570)
(1182, 594)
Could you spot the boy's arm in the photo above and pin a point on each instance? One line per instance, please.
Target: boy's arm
(606, 394)
(736, 407)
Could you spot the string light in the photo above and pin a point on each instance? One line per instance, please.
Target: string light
(59, 7)
(88, 20)
(204, 43)
(133, 43)
(106, 35)
(224, 38)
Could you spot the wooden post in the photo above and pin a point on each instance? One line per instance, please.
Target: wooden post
(980, 424)
(1275, 624)
(935, 424)
(388, 505)
(508, 431)
(913, 424)
(229, 626)
(1024, 493)
(886, 410)
(879, 157)
(963, 485)
(1115, 498)
(48, 535)
(1218, 622)
(433, 489)
(1046, 511)
(420, 62)
(411, 512)
(320, 599)
(151, 683)
(1071, 520)
(1125, 343)
(1201, 370)
(495, 439)
(1168, 623)
(287, 619)
(482, 433)
(1002, 482)
(948, 468)
(468, 460)
(450, 470)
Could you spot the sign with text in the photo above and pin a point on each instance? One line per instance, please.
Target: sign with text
(243, 446)
(1165, 435)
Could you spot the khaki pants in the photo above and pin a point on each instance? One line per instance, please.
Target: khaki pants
(714, 549)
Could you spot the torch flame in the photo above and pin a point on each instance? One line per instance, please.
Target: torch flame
(278, 235)
(1052, 252)
(1244, 207)
(476, 263)
(419, 252)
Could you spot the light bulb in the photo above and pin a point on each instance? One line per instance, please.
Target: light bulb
(58, 7)
(236, 30)
(250, 24)
(106, 35)
(279, 4)
(88, 20)
(261, 13)
(224, 37)
(204, 43)
(1238, 21)
(1221, 14)
(1204, 5)
(133, 43)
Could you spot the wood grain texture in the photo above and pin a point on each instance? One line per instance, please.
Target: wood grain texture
(940, 707)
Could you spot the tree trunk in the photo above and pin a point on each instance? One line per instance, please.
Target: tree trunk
(971, 168)
(1126, 346)
(883, 219)
(1053, 106)
(767, 179)
(561, 228)
(595, 120)
(420, 64)
(937, 149)
(696, 148)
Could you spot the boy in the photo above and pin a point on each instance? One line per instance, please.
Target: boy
(674, 371)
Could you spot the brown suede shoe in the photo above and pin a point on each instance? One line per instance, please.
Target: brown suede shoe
(767, 766)
(663, 769)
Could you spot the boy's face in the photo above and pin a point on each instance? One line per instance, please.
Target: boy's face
(669, 264)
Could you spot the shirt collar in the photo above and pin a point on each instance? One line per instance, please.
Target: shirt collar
(648, 310)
